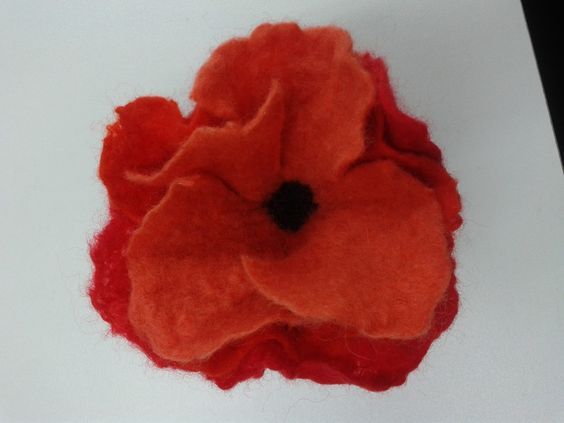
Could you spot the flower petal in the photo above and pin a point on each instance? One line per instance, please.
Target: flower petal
(376, 256)
(189, 292)
(327, 93)
(405, 133)
(431, 173)
(247, 158)
(326, 133)
(147, 133)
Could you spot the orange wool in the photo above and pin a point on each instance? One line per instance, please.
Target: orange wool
(297, 220)
(190, 294)
(327, 94)
(375, 256)
(208, 265)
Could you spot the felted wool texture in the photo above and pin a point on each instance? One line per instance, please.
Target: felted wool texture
(159, 287)
(147, 133)
(326, 93)
(191, 294)
(374, 258)
(328, 354)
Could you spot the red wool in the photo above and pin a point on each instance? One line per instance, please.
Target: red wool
(192, 269)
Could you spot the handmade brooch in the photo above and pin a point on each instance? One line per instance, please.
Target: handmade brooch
(296, 220)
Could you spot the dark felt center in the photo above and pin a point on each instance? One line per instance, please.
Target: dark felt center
(291, 205)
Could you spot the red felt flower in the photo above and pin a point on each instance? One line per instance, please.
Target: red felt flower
(297, 220)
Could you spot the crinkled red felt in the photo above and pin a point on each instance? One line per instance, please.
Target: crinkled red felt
(297, 220)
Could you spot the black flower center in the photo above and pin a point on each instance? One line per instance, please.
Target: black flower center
(291, 205)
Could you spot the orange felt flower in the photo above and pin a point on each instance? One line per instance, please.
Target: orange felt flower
(277, 205)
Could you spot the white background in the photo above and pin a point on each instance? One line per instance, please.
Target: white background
(465, 66)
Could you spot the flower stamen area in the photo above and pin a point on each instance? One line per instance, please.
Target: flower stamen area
(291, 205)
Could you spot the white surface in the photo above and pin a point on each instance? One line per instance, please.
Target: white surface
(465, 66)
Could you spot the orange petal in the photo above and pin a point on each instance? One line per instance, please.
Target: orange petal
(326, 133)
(189, 292)
(327, 93)
(376, 257)
(246, 158)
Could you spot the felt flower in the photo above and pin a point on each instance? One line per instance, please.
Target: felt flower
(297, 220)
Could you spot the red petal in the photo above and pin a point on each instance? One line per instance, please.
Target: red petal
(147, 133)
(405, 133)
